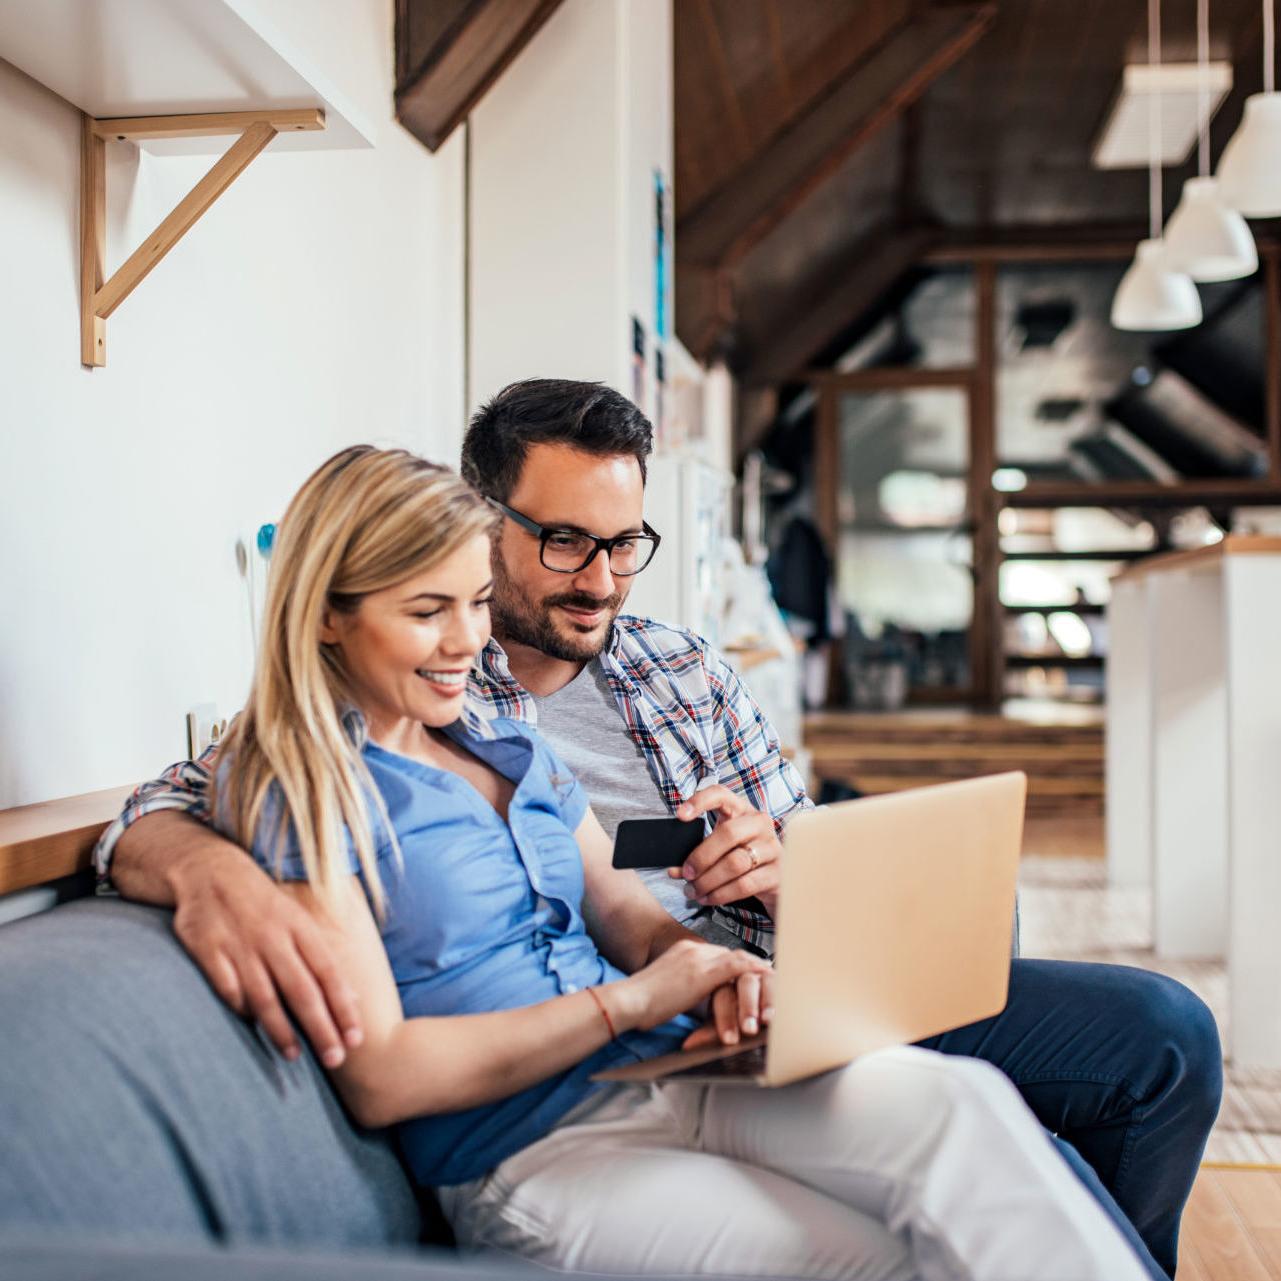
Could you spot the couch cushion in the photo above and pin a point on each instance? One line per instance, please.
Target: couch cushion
(132, 1102)
(87, 1259)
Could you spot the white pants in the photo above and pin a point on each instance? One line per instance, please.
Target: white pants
(906, 1164)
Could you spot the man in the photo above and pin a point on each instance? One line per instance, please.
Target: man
(1123, 1065)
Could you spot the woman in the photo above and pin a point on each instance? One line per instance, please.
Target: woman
(501, 961)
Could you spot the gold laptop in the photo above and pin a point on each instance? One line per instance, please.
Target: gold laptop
(894, 924)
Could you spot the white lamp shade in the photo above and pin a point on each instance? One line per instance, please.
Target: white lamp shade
(1250, 168)
(1152, 296)
(1205, 239)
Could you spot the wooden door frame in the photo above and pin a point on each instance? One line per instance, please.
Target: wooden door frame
(986, 648)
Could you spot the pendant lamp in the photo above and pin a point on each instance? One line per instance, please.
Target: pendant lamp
(1204, 237)
(1152, 295)
(1250, 167)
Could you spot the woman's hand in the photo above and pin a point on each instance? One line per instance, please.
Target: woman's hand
(683, 978)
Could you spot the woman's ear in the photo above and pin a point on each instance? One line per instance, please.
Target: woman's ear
(329, 634)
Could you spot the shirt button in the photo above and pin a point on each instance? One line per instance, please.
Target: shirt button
(571, 988)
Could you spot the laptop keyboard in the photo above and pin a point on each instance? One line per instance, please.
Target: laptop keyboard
(746, 1063)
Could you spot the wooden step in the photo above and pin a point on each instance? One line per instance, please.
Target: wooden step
(949, 727)
(933, 750)
(889, 752)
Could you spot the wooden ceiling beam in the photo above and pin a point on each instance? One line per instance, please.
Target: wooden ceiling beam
(782, 76)
(1059, 243)
(1144, 493)
(705, 310)
(448, 54)
(872, 271)
(725, 78)
(1065, 242)
(724, 227)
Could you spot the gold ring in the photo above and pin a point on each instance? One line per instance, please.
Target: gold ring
(752, 854)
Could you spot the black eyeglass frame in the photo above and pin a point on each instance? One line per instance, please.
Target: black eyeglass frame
(544, 532)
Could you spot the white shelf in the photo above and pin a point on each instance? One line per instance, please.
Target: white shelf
(172, 57)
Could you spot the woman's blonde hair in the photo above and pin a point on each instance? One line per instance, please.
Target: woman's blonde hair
(365, 520)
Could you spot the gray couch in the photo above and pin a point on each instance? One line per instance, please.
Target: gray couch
(27, 1258)
(134, 1106)
(147, 1133)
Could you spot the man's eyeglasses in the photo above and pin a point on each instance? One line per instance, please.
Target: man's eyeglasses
(569, 551)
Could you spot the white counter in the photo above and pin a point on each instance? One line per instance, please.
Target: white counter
(1194, 766)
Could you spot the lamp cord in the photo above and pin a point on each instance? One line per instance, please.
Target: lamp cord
(1154, 122)
(1269, 47)
(1203, 89)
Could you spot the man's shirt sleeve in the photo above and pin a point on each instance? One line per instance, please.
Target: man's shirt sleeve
(184, 786)
(749, 756)
(750, 762)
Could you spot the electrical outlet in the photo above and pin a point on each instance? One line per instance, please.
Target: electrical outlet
(204, 727)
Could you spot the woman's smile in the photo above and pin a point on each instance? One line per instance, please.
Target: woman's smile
(450, 684)
(407, 651)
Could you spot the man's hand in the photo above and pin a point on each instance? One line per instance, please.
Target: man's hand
(739, 859)
(255, 944)
(743, 1007)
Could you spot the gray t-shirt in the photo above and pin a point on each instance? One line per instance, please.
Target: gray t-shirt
(587, 731)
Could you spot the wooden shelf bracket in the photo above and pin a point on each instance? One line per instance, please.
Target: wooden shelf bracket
(99, 298)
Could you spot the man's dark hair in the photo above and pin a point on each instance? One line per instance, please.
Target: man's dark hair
(539, 411)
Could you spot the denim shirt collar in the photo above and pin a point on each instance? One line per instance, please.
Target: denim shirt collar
(470, 722)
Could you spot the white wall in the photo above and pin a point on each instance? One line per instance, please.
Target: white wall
(647, 88)
(318, 303)
(563, 150)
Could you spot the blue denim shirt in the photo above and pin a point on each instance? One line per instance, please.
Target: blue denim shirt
(486, 915)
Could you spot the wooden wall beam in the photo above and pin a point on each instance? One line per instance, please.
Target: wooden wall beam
(827, 468)
(1272, 370)
(987, 649)
(445, 67)
(827, 509)
(724, 227)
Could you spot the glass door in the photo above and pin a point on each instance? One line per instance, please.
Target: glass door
(893, 484)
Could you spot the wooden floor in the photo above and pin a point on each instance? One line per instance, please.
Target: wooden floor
(1232, 1229)
(1069, 912)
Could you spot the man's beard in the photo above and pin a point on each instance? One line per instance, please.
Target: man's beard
(531, 622)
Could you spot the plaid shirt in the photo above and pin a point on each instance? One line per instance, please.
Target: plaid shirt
(692, 717)
(684, 706)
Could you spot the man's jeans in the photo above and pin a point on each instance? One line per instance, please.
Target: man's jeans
(1122, 1064)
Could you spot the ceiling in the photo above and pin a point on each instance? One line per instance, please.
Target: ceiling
(987, 131)
(746, 70)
